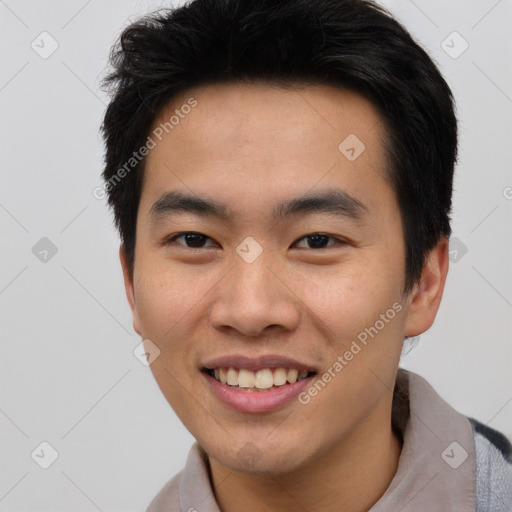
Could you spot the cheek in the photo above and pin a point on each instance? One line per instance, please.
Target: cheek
(168, 295)
(349, 298)
(168, 304)
(361, 317)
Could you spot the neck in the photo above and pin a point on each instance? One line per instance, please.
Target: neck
(351, 476)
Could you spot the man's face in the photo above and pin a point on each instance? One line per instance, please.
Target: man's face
(304, 297)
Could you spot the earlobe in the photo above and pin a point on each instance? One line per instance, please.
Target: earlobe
(426, 296)
(129, 288)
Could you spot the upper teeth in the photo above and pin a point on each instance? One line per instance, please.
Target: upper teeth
(260, 379)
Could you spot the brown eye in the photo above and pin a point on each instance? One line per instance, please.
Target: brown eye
(191, 240)
(319, 241)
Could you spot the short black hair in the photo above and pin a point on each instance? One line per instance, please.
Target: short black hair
(351, 44)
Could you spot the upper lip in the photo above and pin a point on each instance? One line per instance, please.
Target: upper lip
(256, 363)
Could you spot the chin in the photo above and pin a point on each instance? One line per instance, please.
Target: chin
(253, 457)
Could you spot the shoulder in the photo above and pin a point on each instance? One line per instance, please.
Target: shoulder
(167, 499)
(493, 469)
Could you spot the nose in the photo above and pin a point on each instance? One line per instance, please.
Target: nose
(254, 297)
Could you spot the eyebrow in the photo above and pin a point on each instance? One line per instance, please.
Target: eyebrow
(332, 201)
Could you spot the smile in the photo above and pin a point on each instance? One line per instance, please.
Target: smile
(256, 391)
(259, 380)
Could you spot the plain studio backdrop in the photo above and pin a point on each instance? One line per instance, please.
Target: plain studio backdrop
(69, 377)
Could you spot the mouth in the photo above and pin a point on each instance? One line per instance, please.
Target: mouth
(259, 389)
(260, 380)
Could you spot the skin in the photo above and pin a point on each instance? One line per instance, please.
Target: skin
(252, 146)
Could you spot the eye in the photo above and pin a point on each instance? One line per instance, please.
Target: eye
(319, 240)
(192, 240)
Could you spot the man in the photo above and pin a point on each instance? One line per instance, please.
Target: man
(281, 177)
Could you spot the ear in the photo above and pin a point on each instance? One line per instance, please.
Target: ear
(426, 295)
(129, 288)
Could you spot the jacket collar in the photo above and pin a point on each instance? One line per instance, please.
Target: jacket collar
(436, 470)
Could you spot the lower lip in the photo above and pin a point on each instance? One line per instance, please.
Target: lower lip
(256, 401)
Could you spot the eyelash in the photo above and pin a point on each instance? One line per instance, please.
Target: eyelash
(168, 241)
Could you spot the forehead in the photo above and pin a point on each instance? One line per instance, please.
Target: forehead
(238, 112)
(250, 139)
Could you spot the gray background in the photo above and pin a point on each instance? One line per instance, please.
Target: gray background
(68, 374)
